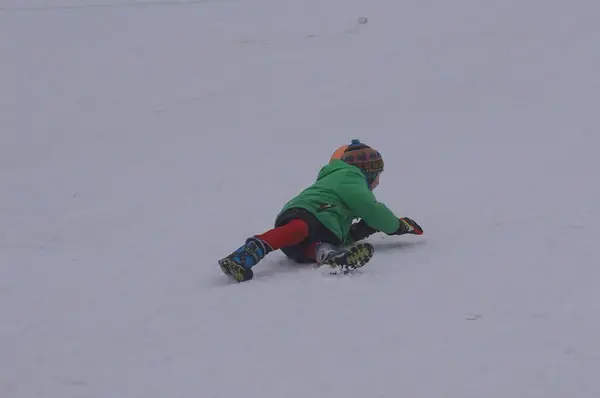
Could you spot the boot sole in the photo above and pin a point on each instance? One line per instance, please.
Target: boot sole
(236, 271)
(355, 257)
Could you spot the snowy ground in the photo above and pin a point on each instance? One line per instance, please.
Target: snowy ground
(140, 142)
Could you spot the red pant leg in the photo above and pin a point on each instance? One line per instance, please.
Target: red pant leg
(289, 234)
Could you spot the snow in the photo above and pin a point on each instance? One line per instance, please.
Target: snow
(143, 141)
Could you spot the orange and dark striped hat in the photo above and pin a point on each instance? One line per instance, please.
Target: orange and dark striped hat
(360, 155)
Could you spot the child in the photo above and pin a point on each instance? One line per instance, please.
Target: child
(317, 225)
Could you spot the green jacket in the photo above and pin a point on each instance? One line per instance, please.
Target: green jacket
(340, 195)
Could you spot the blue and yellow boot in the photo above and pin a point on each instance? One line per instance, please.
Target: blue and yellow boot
(239, 264)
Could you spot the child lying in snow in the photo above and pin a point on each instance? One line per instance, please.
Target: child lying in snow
(317, 225)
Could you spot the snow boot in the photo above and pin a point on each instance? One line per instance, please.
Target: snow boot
(346, 259)
(239, 264)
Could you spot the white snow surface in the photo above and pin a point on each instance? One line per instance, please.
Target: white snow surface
(142, 141)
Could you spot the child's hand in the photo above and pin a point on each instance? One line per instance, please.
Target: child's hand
(408, 226)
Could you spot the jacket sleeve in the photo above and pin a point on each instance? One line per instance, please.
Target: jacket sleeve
(363, 204)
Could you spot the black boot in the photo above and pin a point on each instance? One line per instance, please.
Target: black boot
(347, 259)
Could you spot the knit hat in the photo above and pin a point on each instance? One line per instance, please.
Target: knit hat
(365, 158)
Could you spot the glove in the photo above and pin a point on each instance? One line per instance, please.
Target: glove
(408, 226)
(360, 231)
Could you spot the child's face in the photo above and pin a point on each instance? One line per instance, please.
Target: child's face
(376, 182)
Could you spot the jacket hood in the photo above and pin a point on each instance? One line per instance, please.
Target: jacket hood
(340, 165)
